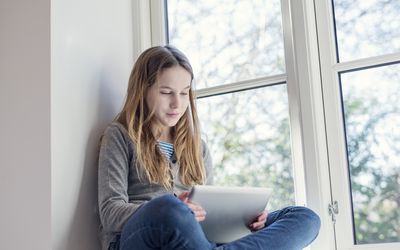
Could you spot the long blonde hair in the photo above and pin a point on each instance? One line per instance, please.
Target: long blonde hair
(138, 121)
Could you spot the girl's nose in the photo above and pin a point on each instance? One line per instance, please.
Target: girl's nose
(174, 101)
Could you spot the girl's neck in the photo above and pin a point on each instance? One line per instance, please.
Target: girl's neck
(166, 136)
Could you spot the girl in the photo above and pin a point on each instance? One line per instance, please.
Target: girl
(152, 154)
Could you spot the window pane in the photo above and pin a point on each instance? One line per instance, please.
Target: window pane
(367, 28)
(249, 139)
(228, 41)
(372, 120)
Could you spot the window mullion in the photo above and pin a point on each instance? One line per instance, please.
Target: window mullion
(141, 26)
(307, 113)
(241, 85)
(158, 20)
(334, 124)
(367, 62)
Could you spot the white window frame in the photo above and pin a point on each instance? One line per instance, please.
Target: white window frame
(147, 24)
(330, 70)
(307, 122)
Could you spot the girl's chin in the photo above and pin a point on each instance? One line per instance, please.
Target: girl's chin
(169, 124)
(169, 121)
(172, 124)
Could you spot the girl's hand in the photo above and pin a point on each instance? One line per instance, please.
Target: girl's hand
(259, 222)
(198, 211)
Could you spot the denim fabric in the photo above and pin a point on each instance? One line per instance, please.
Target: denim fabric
(291, 228)
(167, 223)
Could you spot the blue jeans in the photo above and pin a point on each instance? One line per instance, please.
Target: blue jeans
(167, 223)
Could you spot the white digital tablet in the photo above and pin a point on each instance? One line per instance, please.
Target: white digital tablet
(229, 210)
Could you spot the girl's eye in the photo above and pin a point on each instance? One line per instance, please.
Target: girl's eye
(184, 93)
(165, 93)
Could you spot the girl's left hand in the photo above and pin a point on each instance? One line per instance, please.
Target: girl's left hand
(259, 222)
(198, 211)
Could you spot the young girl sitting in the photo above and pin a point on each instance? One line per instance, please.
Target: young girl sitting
(151, 156)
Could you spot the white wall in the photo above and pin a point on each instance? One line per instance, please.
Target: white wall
(24, 124)
(63, 75)
(91, 55)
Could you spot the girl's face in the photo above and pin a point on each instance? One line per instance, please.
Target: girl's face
(169, 96)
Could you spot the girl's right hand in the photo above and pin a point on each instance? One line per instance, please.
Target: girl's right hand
(198, 211)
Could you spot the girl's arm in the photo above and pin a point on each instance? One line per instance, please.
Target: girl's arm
(113, 171)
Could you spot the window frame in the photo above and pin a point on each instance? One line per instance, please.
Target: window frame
(336, 139)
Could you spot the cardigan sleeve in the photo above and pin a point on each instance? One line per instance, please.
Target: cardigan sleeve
(113, 171)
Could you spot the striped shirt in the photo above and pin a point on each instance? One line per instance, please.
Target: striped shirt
(167, 149)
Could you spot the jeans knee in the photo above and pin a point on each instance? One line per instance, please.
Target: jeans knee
(169, 210)
(311, 219)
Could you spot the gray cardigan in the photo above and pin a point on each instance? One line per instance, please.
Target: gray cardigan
(123, 187)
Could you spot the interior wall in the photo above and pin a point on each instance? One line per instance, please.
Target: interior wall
(25, 124)
(91, 58)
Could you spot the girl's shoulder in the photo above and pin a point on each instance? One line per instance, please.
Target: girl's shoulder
(116, 131)
(116, 126)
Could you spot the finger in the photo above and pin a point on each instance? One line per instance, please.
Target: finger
(262, 217)
(198, 211)
(257, 225)
(200, 214)
(195, 206)
(184, 196)
(200, 218)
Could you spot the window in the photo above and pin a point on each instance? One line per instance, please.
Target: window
(232, 45)
(228, 41)
(360, 45)
(372, 122)
(249, 135)
(301, 95)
